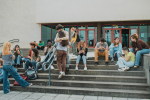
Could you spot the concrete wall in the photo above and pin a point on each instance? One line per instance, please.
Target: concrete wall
(18, 21)
(52, 11)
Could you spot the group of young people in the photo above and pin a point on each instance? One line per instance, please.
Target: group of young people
(15, 58)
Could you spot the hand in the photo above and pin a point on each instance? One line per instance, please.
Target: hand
(18, 52)
(136, 49)
(29, 57)
(121, 56)
(116, 46)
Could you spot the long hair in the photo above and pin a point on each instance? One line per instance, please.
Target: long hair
(61, 34)
(6, 48)
(134, 36)
(115, 42)
(126, 49)
(79, 45)
(35, 52)
(16, 47)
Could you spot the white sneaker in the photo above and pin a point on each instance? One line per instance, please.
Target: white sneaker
(121, 69)
(135, 66)
(60, 75)
(52, 67)
(76, 68)
(30, 84)
(85, 68)
(112, 59)
(126, 68)
(63, 73)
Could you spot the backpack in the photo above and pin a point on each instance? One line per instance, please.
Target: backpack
(31, 74)
(23, 76)
(78, 38)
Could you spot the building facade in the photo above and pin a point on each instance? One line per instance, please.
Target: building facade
(34, 20)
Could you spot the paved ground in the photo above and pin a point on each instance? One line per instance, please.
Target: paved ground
(14, 95)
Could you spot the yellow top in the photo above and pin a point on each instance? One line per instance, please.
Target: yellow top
(74, 39)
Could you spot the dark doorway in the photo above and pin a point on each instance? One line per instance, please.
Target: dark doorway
(125, 38)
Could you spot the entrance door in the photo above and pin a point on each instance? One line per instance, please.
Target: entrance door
(90, 38)
(117, 33)
(125, 38)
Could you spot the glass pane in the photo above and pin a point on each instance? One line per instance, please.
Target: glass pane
(46, 33)
(54, 32)
(149, 35)
(134, 26)
(102, 32)
(95, 35)
(143, 32)
(90, 27)
(90, 38)
(108, 36)
(72, 32)
(116, 33)
(107, 26)
(124, 26)
(82, 35)
(81, 27)
(125, 40)
(116, 26)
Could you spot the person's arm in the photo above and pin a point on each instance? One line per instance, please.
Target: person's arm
(127, 58)
(96, 47)
(45, 49)
(120, 48)
(21, 54)
(86, 50)
(106, 47)
(11, 55)
(66, 36)
(111, 46)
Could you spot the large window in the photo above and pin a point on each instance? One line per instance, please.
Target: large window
(143, 32)
(54, 32)
(66, 28)
(46, 33)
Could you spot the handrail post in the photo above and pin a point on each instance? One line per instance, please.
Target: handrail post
(49, 76)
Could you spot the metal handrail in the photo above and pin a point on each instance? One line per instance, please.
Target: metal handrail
(11, 41)
(44, 60)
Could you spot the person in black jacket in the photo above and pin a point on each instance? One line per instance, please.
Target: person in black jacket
(82, 52)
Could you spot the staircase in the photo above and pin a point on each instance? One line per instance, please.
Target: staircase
(98, 80)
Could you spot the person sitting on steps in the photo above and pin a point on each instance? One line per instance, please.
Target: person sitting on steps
(18, 56)
(8, 68)
(101, 49)
(82, 53)
(40, 46)
(115, 48)
(126, 62)
(139, 47)
(61, 54)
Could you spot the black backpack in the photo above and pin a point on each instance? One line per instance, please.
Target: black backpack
(78, 38)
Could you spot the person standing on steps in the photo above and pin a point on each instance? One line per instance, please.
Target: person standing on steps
(74, 41)
(115, 49)
(61, 54)
(82, 53)
(18, 56)
(8, 68)
(59, 27)
(139, 47)
(126, 62)
(101, 49)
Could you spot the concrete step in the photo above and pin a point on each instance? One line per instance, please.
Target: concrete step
(99, 78)
(82, 91)
(88, 84)
(94, 72)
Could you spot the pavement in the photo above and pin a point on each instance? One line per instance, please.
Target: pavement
(16, 95)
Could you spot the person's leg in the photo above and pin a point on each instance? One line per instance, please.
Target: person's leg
(17, 77)
(42, 47)
(19, 60)
(74, 48)
(5, 79)
(111, 52)
(77, 61)
(64, 60)
(84, 60)
(28, 63)
(34, 65)
(67, 60)
(120, 62)
(59, 59)
(38, 48)
(96, 55)
(106, 55)
(138, 55)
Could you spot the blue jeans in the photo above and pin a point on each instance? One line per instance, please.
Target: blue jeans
(122, 63)
(138, 55)
(17, 60)
(112, 51)
(28, 63)
(10, 69)
(34, 64)
(83, 58)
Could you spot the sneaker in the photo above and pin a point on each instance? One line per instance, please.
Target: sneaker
(106, 63)
(135, 66)
(85, 68)
(112, 59)
(116, 64)
(121, 69)
(52, 67)
(63, 73)
(76, 68)
(96, 63)
(60, 75)
(30, 84)
(126, 68)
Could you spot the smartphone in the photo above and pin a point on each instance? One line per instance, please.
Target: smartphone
(81, 48)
